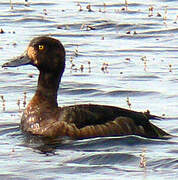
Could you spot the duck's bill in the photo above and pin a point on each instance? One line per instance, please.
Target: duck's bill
(18, 61)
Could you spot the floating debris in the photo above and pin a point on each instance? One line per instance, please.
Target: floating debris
(176, 19)
(30, 75)
(82, 26)
(25, 99)
(72, 64)
(128, 102)
(18, 104)
(14, 44)
(67, 27)
(144, 59)
(13, 32)
(128, 32)
(104, 67)
(27, 4)
(89, 27)
(126, 5)
(59, 26)
(11, 5)
(158, 14)
(165, 14)
(170, 67)
(165, 23)
(150, 11)
(104, 10)
(3, 103)
(104, 7)
(89, 8)
(45, 11)
(75, 69)
(80, 7)
(82, 68)
(89, 67)
(1, 31)
(143, 159)
(127, 59)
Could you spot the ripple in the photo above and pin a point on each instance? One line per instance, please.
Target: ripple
(105, 159)
(161, 31)
(32, 19)
(106, 144)
(8, 128)
(140, 78)
(7, 131)
(81, 91)
(130, 93)
(170, 163)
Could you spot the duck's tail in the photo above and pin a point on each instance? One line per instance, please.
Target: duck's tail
(159, 132)
(154, 129)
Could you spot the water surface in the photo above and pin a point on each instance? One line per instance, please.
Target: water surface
(140, 48)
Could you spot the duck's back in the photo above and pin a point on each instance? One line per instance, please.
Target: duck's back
(87, 120)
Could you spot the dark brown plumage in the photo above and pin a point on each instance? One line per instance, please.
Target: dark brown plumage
(43, 116)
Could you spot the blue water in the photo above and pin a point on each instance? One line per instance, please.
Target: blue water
(140, 48)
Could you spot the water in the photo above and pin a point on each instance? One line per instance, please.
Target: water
(142, 56)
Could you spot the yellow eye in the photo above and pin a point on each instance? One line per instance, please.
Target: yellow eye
(41, 47)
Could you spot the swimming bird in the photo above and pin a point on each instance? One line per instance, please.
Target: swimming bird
(43, 117)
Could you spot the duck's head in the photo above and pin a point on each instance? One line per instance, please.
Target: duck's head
(46, 53)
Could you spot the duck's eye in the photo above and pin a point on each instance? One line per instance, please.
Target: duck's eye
(41, 47)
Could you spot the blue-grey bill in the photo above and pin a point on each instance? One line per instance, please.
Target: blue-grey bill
(18, 61)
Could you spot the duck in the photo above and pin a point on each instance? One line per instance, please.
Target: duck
(43, 117)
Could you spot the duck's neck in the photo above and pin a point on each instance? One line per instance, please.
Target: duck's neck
(46, 93)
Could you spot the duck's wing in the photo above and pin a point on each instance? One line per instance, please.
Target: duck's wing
(82, 121)
(90, 114)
